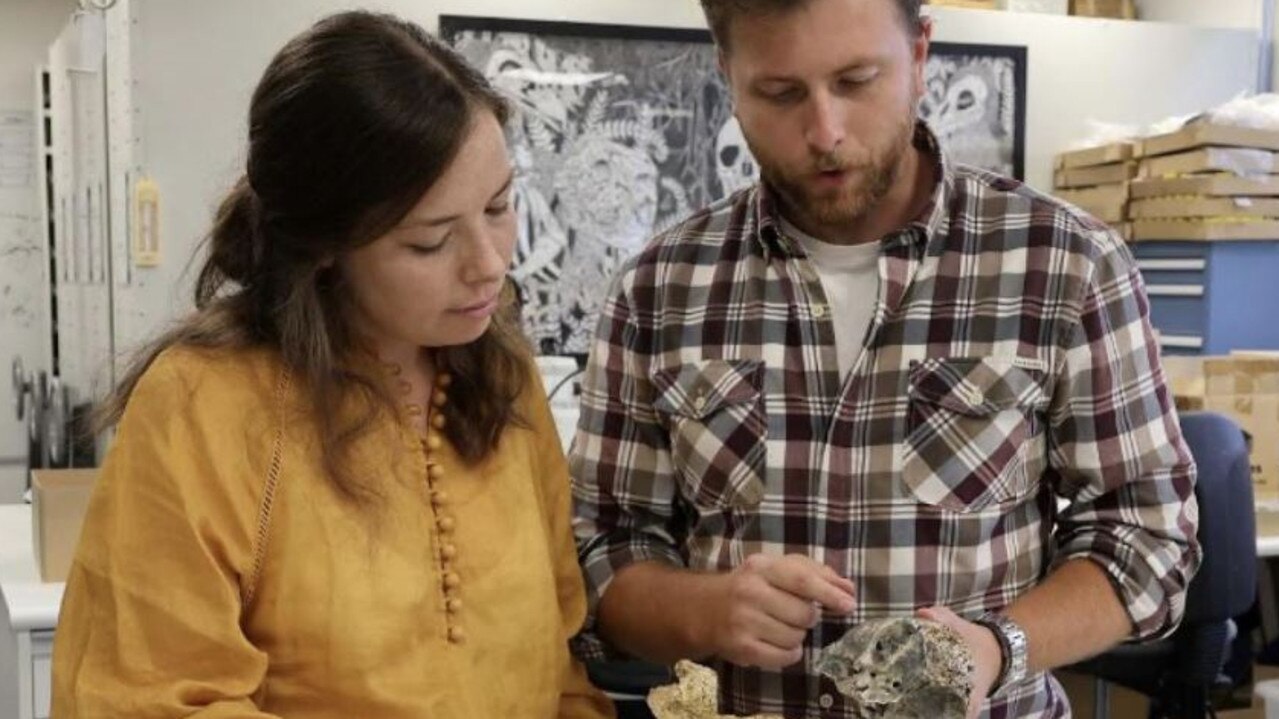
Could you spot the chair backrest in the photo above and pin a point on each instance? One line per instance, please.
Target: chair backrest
(1226, 583)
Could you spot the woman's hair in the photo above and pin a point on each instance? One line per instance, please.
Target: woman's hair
(352, 122)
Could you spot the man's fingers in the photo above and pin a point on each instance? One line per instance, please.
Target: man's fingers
(842, 582)
(766, 656)
(807, 580)
(789, 609)
(780, 634)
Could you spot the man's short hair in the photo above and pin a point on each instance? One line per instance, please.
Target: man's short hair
(721, 13)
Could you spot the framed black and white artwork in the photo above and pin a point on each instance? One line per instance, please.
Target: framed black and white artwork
(975, 101)
(621, 131)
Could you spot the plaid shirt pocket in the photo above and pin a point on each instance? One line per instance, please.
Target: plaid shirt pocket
(969, 422)
(714, 412)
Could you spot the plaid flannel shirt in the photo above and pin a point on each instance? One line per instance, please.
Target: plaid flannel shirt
(1007, 413)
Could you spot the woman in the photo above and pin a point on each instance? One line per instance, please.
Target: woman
(336, 489)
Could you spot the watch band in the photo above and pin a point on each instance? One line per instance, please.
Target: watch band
(1012, 645)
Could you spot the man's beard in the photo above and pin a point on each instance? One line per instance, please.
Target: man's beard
(871, 179)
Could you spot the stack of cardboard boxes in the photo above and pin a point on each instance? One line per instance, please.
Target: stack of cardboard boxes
(1207, 182)
(1097, 180)
(1245, 387)
(1118, 9)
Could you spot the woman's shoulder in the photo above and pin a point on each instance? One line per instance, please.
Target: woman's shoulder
(235, 376)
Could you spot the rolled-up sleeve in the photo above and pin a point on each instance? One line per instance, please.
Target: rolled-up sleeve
(624, 488)
(1118, 453)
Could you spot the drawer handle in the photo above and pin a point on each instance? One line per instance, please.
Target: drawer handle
(1175, 290)
(1172, 265)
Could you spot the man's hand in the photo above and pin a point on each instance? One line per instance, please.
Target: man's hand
(766, 607)
(988, 658)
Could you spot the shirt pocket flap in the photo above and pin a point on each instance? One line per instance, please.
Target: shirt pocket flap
(976, 386)
(700, 389)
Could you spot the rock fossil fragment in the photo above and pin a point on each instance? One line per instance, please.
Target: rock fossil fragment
(901, 668)
(694, 697)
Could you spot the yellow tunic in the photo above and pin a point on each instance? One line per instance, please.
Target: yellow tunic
(219, 575)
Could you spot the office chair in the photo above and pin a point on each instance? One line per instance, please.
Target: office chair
(1177, 673)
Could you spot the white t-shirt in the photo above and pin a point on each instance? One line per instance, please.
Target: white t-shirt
(850, 278)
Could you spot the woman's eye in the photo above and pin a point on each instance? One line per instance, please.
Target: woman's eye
(425, 249)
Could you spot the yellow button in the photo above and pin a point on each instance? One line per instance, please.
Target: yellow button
(456, 635)
(453, 606)
(437, 420)
(436, 471)
(438, 398)
(448, 551)
(433, 442)
(452, 580)
(443, 379)
(445, 524)
(439, 498)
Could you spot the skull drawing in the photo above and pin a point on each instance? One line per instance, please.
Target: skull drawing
(734, 163)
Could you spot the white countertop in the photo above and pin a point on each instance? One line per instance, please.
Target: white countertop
(29, 603)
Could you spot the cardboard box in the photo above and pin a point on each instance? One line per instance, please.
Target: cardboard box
(1207, 229)
(1108, 203)
(1203, 207)
(1093, 156)
(1091, 176)
(1202, 134)
(1244, 387)
(59, 500)
(1118, 9)
(1219, 185)
(1234, 160)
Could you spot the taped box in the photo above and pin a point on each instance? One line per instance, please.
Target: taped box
(1241, 161)
(1244, 387)
(1203, 134)
(59, 499)
(1214, 185)
(1210, 228)
(1108, 203)
(1220, 207)
(1117, 9)
(1093, 156)
(1073, 177)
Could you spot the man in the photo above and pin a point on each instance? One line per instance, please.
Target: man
(878, 383)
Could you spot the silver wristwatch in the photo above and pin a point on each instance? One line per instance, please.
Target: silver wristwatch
(1012, 645)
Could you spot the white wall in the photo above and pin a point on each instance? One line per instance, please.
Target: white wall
(195, 65)
(1240, 14)
(26, 29)
(1110, 70)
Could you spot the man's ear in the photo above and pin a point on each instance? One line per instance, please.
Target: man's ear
(919, 52)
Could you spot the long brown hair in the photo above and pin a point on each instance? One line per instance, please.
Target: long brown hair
(352, 122)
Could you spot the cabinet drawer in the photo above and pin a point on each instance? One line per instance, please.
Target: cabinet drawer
(1175, 314)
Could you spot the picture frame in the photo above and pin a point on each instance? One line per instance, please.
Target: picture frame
(621, 131)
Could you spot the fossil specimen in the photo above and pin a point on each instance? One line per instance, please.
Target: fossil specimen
(694, 697)
(901, 668)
